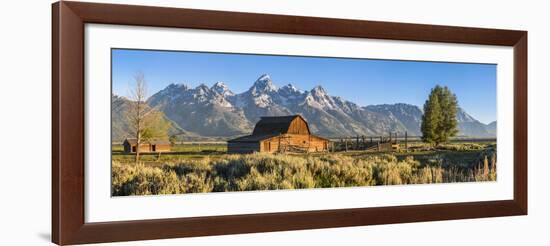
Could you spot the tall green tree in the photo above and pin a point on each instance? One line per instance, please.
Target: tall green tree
(439, 121)
(431, 119)
(449, 106)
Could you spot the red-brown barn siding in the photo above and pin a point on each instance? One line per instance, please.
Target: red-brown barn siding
(294, 143)
(279, 134)
(155, 146)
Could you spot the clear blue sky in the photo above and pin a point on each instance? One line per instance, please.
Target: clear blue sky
(362, 81)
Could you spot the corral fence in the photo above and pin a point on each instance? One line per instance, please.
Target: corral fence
(391, 142)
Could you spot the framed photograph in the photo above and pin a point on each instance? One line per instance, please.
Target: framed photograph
(176, 122)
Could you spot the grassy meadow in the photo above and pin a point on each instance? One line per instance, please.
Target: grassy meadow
(194, 168)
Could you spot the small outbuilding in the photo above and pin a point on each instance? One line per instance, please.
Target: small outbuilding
(279, 134)
(148, 146)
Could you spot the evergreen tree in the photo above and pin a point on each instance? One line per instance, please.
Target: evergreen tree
(431, 118)
(449, 106)
(439, 121)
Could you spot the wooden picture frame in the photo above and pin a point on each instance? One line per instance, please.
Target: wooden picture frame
(68, 224)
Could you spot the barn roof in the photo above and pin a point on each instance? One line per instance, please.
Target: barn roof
(271, 126)
(275, 124)
(133, 141)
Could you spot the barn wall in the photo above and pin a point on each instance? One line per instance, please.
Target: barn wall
(318, 144)
(269, 145)
(146, 147)
(294, 142)
(163, 148)
(242, 147)
(298, 126)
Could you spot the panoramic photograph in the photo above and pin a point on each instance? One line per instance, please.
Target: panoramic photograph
(200, 122)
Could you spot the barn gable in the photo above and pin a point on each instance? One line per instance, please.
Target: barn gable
(293, 124)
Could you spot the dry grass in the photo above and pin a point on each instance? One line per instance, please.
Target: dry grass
(272, 172)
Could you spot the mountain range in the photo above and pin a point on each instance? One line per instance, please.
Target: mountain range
(217, 112)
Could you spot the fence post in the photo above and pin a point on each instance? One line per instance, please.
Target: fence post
(406, 142)
(346, 142)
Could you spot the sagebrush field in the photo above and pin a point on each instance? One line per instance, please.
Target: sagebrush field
(207, 168)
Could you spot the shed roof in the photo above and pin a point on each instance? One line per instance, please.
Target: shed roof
(252, 138)
(133, 141)
(275, 124)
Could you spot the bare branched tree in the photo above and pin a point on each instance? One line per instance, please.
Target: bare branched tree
(146, 123)
(139, 110)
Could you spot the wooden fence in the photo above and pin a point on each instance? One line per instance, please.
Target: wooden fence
(368, 143)
(390, 142)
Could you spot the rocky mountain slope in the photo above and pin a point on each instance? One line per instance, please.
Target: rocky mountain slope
(121, 128)
(218, 112)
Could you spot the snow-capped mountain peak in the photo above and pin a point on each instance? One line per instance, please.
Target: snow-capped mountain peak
(220, 86)
(319, 91)
(289, 91)
(319, 98)
(222, 89)
(264, 77)
(177, 86)
(263, 84)
(174, 91)
(290, 87)
(202, 89)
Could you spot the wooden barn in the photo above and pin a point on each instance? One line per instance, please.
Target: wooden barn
(279, 134)
(149, 146)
